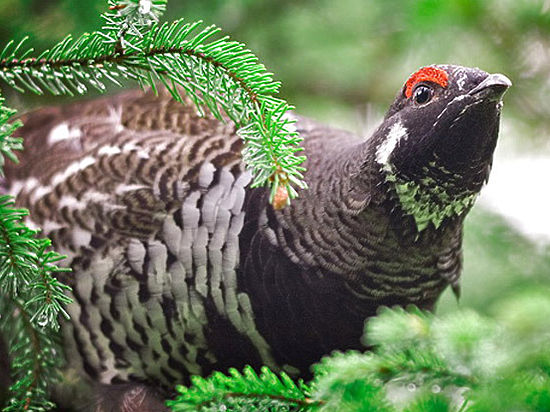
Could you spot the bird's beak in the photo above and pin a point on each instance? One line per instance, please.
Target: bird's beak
(493, 87)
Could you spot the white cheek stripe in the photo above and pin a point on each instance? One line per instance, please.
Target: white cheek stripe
(397, 133)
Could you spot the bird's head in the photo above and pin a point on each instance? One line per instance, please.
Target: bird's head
(436, 143)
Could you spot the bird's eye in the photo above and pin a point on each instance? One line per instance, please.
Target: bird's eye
(422, 94)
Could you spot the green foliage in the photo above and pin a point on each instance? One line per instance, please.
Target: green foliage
(418, 363)
(8, 143)
(31, 297)
(130, 16)
(246, 391)
(346, 382)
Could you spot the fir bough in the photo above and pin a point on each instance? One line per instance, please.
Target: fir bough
(31, 298)
(419, 362)
(217, 74)
(246, 391)
(8, 143)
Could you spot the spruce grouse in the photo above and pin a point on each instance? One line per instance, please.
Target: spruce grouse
(180, 268)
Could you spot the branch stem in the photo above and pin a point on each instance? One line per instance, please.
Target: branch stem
(305, 403)
(119, 56)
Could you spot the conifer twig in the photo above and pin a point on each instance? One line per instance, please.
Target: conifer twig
(219, 75)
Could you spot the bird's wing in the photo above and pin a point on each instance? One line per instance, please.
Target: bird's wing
(117, 166)
(146, 199)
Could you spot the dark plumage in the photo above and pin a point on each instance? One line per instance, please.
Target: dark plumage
(180, 268)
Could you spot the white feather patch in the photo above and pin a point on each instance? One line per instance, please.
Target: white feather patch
(16, 187)
(132, 147)
(461, 77)
(81, 237)
(136, 255)
(47, 226)
(397, 133)
(109, 150)
(124, 188)
(72, 169)
(40, 192)
(63, 132)
(206, 174)
(71, 202)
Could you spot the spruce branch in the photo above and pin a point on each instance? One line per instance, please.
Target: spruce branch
(217, 74)
(33, 356)
(456, 362)
(129, 16)
(246, 391)
(8, 143)
(32, 300)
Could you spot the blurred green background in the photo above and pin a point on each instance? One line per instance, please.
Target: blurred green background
(342, 62)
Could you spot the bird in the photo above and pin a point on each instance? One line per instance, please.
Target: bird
(180, 268)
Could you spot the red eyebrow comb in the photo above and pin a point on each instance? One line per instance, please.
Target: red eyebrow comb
(426, 74)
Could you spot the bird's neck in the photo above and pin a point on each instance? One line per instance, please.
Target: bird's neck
(346, 212)
(430, 197)
(354, 213)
